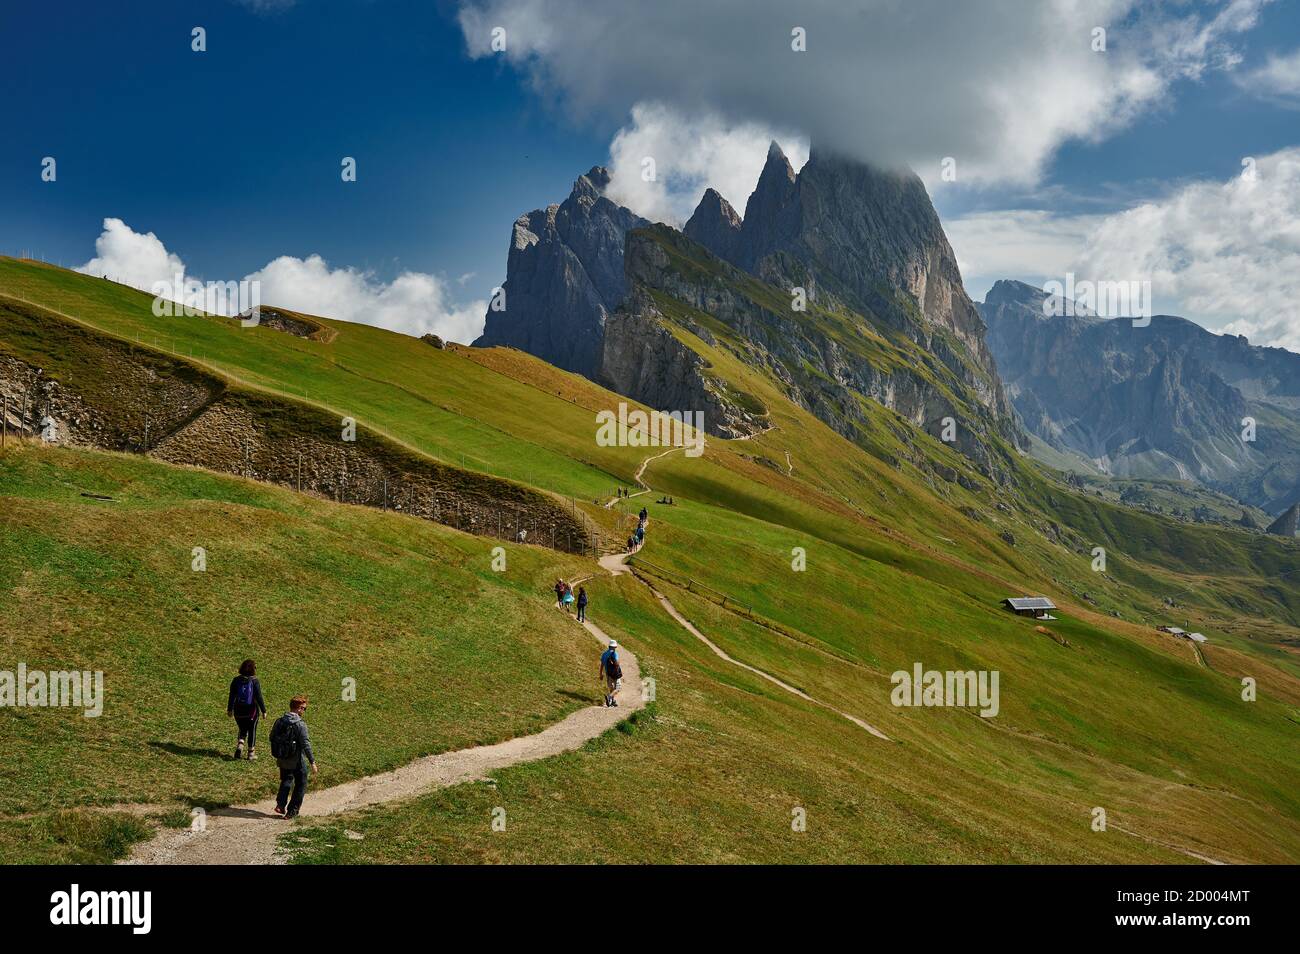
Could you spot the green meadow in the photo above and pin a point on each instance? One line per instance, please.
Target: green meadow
(1097, 709)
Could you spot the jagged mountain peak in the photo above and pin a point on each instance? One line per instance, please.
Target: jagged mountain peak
(715, 225)
(1030, 301)
(593, 184)
(1012, 291)
(564, 275)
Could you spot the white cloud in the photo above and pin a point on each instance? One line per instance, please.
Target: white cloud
(691, 154)
(1030, 245)
(131, 258)
(1225, 254)
(1279, 76)
(998, 86)
(413, 303)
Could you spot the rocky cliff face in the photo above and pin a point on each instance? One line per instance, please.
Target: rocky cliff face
(716, 226)
(893, 323)
(564, 275)
(643, 360)
(1167, 400)
(820, 365)
(865, 238)
(1287, 525)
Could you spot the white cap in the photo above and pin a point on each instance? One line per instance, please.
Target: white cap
(613, 644)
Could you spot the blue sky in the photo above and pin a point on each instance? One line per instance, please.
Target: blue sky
(232, 156)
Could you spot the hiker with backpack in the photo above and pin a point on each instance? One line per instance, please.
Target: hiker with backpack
(244, 703)
(559, 594)
(611, 672)
(644, 515)
(291, 747)
(582, 604)
(567, 599)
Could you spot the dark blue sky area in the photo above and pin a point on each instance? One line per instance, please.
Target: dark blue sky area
(232, 156)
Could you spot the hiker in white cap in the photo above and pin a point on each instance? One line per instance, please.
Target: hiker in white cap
(611, 672)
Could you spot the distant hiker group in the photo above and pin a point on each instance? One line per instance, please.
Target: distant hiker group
(566, 599)
(638, 535)
(290, 742)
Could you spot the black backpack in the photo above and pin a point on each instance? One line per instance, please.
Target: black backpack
(284, 738)
(612, 669)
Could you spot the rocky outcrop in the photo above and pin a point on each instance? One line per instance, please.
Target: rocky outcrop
(864, 244)
(1287, 525)
(111, 394)
(716, 226)
(819, 370)
(1168, 400)
(868, 239)
(643, 360)
(291, 323)
(564, 275)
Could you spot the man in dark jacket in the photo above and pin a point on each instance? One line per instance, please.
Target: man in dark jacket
(245, 703)
(289, 734)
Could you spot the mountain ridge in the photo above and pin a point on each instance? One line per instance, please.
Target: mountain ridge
(1170, 399)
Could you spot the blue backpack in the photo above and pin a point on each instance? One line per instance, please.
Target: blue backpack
(244, 692)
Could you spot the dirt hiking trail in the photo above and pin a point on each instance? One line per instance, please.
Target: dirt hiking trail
(616, 564)
(246, 834)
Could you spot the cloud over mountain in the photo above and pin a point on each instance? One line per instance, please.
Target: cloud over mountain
(997, 86)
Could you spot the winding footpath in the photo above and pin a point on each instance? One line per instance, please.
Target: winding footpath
(246, 834)
(616, 564)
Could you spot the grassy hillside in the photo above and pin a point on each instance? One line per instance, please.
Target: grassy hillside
(444, 652)
(908, 553)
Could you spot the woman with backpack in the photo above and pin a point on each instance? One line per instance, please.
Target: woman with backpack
(245, 704)
(582, 603)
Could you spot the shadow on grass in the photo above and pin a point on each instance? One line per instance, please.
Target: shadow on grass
(585, 699)
(187, 751)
